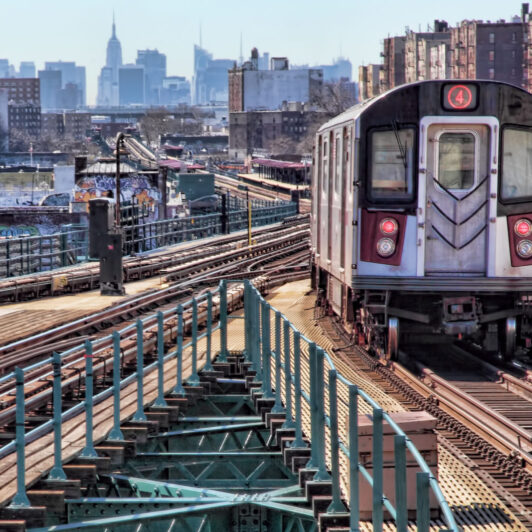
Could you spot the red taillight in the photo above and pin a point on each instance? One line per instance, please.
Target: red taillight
(523, 227)
(389, 226)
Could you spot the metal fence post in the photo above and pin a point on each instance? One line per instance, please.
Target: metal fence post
(139, 414)
(116, 433)
(179, 355)
(194, 379)
(298, 441)
(322, 473)
(208, 354)
(400, 483)
(21, 499)
(88, 450)
(57, 472)
(313, 461)
(422, 501)
(278, 406)
(266, 352)
(222, 357)
(377, 470)
(289, 422)
(247, 320)
(257, 334)
(336, 506)
(160, 401)
(354, 502)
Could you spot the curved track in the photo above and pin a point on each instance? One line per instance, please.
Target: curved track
(483, 413)
(268, 262)
(87, 276)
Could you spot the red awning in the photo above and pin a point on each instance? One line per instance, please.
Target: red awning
(172, 163)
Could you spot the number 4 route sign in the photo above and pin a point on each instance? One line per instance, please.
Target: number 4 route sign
(459, 97)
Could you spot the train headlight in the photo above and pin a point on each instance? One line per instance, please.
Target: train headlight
(524, 249)
(523, 227)
(388, 226)
(386, 247)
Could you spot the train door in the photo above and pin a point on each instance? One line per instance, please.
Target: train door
(457, 199)
(330, 189)
(316, 200)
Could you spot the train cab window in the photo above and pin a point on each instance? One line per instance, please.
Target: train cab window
(516, 181)
(456, 160)
(392, 165)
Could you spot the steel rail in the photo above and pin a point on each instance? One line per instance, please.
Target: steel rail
(74, 356)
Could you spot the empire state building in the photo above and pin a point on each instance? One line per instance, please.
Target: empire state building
(108, 79)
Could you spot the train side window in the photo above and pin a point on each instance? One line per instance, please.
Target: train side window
(392, 164)
(456, 160)
(325, 162)
(516, 180)
(338, 163)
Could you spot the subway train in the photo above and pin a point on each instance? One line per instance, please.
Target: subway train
(422, 217)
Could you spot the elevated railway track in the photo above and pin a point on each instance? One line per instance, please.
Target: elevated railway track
(483, 411)
(86, 276)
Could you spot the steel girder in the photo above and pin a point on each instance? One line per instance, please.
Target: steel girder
(215, 472)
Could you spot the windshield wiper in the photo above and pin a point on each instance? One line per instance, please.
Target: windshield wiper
(402, 149)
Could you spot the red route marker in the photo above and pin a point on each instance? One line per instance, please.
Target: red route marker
(459, 97)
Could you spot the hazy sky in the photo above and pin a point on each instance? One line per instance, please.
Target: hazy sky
(306, 31)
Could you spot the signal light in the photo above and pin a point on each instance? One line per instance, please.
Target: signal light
(386, 247)
(523, 227)
(389, 226)
(524, 249)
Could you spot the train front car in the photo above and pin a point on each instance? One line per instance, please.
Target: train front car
(422, 216)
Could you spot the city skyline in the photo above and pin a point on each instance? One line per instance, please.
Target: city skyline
(304, 32)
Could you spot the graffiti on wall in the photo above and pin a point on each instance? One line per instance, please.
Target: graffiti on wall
(18, 230)
(137, 187)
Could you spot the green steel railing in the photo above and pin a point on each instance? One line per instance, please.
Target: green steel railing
(325, 418)
(279, 367)
(32, 254)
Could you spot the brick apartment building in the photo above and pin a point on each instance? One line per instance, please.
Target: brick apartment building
(23, 104)
(474, 49)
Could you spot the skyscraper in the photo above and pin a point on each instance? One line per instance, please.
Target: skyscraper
(71, 74)
(210, 77)
(27, 69)
(131, 82)
(51, 83)
(108, 79)
(154, 64)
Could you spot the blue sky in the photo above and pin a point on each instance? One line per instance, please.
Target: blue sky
(307, 31)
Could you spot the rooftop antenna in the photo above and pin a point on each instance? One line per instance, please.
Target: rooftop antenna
(241, 56)
(114, 29)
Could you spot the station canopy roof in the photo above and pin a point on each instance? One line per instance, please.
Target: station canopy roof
(274, 163)
(101, 168)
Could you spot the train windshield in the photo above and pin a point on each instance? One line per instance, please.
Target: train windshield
(392, 164)
(456, 160)
(516, 164)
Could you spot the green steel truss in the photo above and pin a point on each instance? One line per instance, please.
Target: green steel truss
(214, 471)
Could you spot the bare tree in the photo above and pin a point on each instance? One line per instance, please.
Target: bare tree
(19, 140)
(153, 124)
(336, 97)
(4, 139)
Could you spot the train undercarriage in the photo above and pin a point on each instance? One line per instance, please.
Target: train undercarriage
(386, 320)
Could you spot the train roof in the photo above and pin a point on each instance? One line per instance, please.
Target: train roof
(356, 110)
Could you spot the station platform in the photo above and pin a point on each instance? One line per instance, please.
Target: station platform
(474, 504)
(254, 178)
(27, 318)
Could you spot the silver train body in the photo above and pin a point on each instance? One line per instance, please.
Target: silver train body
(422, 215)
